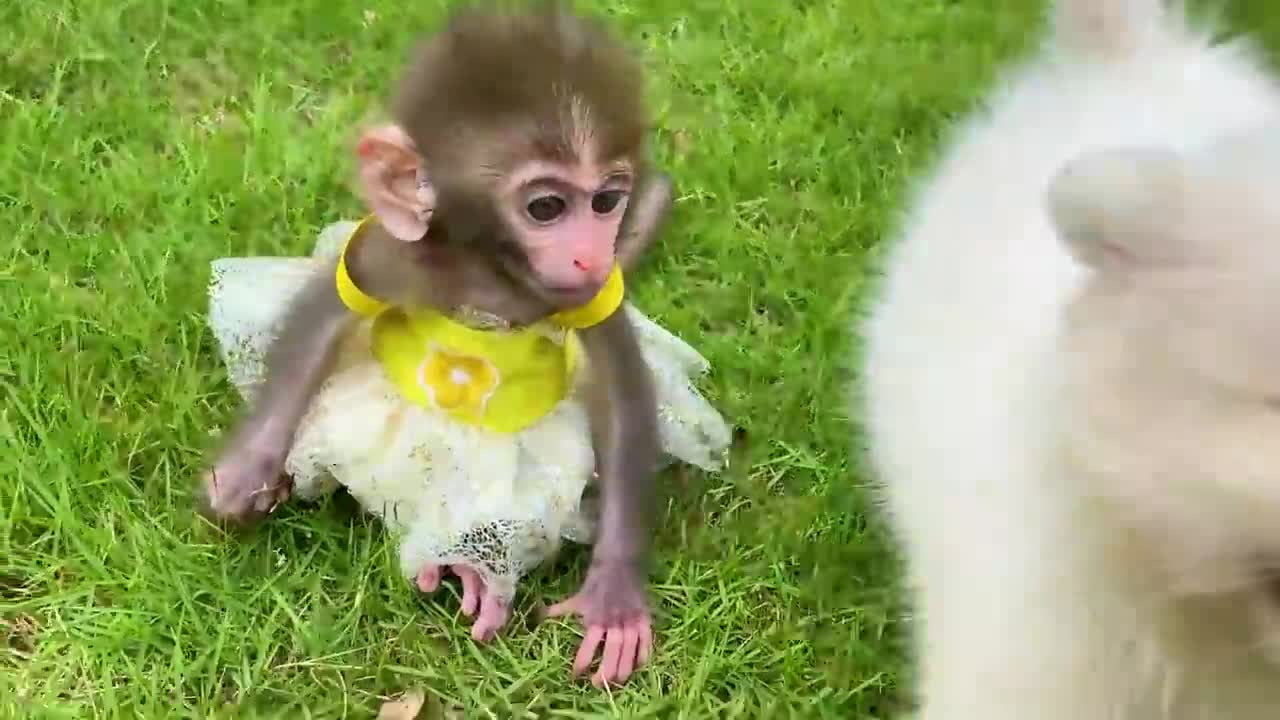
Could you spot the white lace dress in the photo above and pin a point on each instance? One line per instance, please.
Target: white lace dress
(457, 493)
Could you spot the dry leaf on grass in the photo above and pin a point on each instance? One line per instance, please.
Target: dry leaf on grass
(405, 707)
(682, 142)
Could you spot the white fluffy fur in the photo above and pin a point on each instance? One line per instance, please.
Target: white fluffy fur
(1071, 378)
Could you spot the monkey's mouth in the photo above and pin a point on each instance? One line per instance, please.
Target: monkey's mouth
(573, 296)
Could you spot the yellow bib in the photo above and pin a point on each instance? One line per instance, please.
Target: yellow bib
(500, 380)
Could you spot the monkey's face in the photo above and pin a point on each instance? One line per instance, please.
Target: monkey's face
(522, 131)
(553, 223)
(1172, 352)
(565, 220)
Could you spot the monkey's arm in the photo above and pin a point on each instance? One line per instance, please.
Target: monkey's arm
(622, 407)
(246, 482)
(646, 214)
(624, 421)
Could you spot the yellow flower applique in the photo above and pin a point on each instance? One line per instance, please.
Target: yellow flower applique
(457, 382)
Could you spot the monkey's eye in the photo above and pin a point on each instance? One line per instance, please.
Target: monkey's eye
(546, 208)
(605, 201)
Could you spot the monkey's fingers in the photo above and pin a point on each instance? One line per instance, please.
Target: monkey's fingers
(270, 495)
(615, 640)
(220, 504)
(494, 613)
(630, 647)
(633, 647)
(587, 650)
(560, 609)
(630, 661)
(472, 587)
(429, 578)
(645, 649)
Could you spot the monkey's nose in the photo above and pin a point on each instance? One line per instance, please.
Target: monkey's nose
(581, 265)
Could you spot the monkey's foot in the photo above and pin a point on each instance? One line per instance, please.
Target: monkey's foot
(491, 612)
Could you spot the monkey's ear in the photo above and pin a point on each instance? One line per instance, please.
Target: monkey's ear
(394, 182)
(1120, 208)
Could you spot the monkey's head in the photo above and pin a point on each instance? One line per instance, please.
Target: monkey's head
(1173, 353)
(516, 140)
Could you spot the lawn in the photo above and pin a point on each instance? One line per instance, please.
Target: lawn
(141, 139)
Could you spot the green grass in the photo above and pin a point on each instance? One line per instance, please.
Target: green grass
(142, 139)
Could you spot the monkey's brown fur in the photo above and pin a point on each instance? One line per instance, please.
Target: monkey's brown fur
(573, 86)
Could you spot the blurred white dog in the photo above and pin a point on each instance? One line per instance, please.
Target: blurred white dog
(1072, 384)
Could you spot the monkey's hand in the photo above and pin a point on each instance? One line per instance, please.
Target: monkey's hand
(612, 605)
(246, 484)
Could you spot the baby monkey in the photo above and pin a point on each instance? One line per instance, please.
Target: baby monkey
(512, 184)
